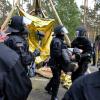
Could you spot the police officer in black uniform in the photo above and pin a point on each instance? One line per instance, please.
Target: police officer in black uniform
(18, 40)
(82, 42)
(14, 82)
(56, 61)
(85, 88)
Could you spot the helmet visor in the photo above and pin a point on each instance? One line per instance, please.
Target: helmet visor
(77, 33)
(26, 21)
(64, 30)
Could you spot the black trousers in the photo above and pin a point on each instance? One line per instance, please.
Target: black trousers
(94, 59)
(55, 81)
(83, 66)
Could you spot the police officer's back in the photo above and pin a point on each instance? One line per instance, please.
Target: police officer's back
(85, 88)
(14, 83)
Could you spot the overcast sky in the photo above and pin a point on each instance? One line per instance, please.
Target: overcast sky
(79, 2)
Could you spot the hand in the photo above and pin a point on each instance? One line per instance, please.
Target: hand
(36, 52)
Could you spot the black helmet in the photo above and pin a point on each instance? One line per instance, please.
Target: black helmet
(17, 24)
(60, 29)
(80, 31)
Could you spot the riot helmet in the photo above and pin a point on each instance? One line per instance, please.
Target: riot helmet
(80, 31)
(60, 30)
(17, 25)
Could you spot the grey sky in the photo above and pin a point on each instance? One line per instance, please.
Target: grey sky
(79, 2)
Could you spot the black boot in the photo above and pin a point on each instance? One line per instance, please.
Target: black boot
(48, 90)
(54, 98)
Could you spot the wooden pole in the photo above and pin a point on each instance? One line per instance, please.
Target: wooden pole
(84, 12)
(55, 12)
(97, 54)
(18, 2)
(94, 18)
(60, 22)
(13, 2)
(4, 25)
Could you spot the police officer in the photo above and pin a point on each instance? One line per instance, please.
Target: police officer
(14, 83)
(18, 40)
(85, 88)
(82, 42)
(56, 60)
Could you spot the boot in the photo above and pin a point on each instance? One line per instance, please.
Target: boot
(54, 98)
(49, 91)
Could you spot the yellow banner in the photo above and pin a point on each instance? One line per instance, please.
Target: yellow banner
(43, 25)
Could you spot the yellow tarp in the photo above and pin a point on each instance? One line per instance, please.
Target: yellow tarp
(40, 24)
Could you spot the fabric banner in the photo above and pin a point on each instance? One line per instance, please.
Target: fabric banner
(43, 25)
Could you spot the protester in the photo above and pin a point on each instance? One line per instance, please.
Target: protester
(18, 40)
(82, 42)
(14, 83)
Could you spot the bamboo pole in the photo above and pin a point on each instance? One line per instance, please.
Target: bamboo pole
(4, 25)
(67, 40)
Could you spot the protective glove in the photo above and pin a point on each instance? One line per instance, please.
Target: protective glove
(77, 53)
(36, 52)
(86, 56)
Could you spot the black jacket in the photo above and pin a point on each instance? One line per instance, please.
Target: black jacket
(85, 88)
(82, 43)
(14, 82)
(56, 47)
(20, 45)
(57, 57)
